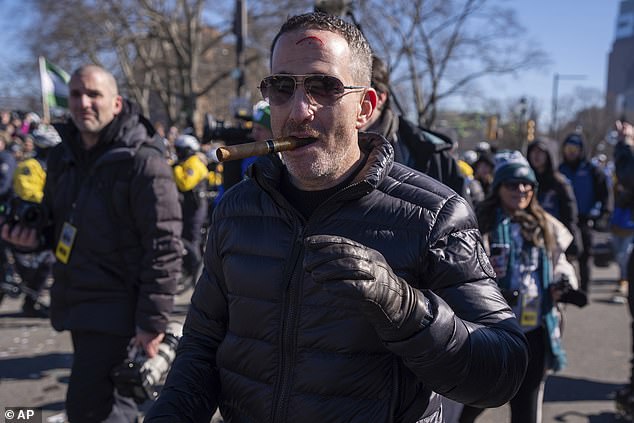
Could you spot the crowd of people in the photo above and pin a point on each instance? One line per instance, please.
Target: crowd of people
(370, 275)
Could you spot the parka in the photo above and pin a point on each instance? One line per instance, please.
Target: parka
(121, 198)
(265, 343)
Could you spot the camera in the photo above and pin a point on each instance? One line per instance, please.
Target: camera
(570, 295)
(217, 130)
(138, 376)
(27, 213)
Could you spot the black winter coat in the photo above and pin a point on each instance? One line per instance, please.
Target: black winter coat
(267, 344)
(126, 255)
(421, 149)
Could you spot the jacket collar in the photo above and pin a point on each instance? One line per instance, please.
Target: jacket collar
(120, 139)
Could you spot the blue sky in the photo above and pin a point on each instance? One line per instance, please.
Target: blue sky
(576, 34)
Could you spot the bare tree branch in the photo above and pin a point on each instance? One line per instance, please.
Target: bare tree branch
(441, 48)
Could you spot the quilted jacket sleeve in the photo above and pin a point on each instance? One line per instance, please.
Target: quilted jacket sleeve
(192, 387)
(474, 351)
(157, 213)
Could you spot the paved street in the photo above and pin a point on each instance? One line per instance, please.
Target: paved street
(35, 360)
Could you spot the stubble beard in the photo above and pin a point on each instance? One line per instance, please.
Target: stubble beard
(325, 165)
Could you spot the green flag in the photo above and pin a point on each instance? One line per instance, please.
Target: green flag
(54, 84)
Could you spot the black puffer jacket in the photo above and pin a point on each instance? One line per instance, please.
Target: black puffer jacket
(126, 256)
(267, 344)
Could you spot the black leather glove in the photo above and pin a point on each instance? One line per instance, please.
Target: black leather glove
(348, 269)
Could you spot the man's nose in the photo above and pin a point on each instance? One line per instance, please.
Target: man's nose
(85, 101)
(301, 105)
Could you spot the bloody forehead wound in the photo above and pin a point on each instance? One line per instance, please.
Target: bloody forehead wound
(311, 40)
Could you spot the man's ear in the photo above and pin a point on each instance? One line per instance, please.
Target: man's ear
(366, 107)
(118, 104)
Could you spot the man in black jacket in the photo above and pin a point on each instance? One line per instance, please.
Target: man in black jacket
(418, 148)
(339, 286)
(115, 230)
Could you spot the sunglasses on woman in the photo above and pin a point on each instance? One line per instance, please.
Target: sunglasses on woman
(515, 185)
(324, 90)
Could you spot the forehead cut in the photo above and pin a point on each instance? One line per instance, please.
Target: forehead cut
(310, 40)
(312, 43)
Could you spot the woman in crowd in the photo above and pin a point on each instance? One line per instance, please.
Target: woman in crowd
(526, 246)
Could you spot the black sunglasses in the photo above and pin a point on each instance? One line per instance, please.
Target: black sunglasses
(515, 185)
(320, 89)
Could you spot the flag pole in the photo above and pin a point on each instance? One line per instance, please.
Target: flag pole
(46, 113)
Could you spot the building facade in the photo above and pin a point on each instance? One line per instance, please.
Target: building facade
(620, 89)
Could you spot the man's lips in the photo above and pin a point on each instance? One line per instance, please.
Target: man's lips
(303, 141)
(309, 137)
(86, 114)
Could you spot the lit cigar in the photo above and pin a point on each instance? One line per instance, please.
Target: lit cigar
(258, 148)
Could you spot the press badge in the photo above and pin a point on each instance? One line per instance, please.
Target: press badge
(65, 243)
(528, 317)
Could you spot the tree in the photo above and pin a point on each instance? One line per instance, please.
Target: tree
(584, 112)
(438, 49)
(181, 55)
(163, 50)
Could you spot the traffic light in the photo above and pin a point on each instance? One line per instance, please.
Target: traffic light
(530, 130)
(492, 128)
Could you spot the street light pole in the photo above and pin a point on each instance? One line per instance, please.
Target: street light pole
(521, 114)
(240, 30)
(553, 120)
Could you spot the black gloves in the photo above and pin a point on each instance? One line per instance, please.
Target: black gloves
(348, 269)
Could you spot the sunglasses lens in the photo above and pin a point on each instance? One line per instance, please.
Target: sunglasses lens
(515, 186)
(277, 90)
(320, 89)
(323, 89)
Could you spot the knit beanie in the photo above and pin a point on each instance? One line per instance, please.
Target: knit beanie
(574, 139)
(512, 166)
(262, 114)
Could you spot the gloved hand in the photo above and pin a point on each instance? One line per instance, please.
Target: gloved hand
(348, 269)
